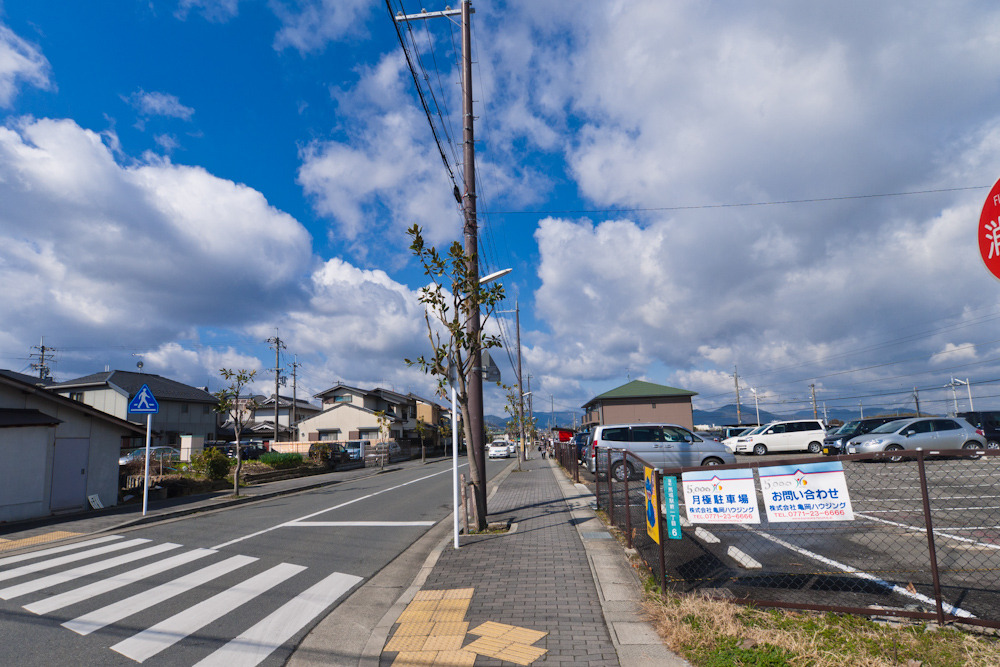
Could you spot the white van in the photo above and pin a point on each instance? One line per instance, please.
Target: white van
(786, 436)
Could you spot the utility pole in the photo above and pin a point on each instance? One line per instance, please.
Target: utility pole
(41, 367)
(295, 367)
(916, 399)
(278, 346)
(813, 388)
(736, 378)
(862, 408)
(523, 452)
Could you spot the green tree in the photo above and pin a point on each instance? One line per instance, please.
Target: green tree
(449, 300)
(422, 430)
(240, 410)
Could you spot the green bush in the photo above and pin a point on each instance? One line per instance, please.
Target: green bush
(319, 452)
(279, 461)
(212, 463)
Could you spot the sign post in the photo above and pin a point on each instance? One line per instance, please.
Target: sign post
(989, 231)
(144, 403)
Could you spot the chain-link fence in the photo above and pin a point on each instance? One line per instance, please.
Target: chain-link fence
(869, 534)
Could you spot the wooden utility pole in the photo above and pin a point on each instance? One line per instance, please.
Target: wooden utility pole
(736, 378)
(813, 388)
(278, 345)
(295, 367)
(522, 451)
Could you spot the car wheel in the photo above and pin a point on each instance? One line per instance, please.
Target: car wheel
(815, 448)
(620, 469)
(894, 448)
(759, 449)
(992, 444)
(972, 444)
(712, 461)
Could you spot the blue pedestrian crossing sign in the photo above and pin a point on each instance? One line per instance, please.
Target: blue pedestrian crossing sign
(144, 402)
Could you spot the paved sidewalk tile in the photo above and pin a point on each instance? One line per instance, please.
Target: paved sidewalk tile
(530, 595)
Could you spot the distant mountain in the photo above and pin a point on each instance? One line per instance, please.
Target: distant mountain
(542, 419)
(727, 415)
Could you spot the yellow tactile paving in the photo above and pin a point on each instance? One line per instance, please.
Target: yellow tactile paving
(417, 629)
(404, 644)
(415, 658)
(524, 635)
(459, 594)
(428, 595)
(10, 545)
(432, 628)
(455, 659)
(491, 629)
(451, 628)
(521, 654)
(444, 643)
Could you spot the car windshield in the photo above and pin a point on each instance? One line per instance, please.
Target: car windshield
(849, 427)
(755, 431)
(891, 427)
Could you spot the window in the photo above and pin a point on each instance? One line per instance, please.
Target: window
(76, 396)
(673, 434)
(945, 425)
(923, 426)
(184, 408)
(615, 434)
(647, 434)
(205, 409)
(345, 398)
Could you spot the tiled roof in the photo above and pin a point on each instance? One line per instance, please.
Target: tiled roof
(162, 388)
(640, 389)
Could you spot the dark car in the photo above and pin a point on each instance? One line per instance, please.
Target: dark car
(987, 421)
(836, 440)
(580, 442)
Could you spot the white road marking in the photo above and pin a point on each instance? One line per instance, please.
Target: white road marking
(113, 583)
(168, 632)
(95, 620)
(938, 532)
(362, 524)
(955, 611)
(71, 558)
(330, 509)
(57, 550)
(69, 575)
(254, 645)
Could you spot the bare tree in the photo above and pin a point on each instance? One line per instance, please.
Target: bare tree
(447, 299)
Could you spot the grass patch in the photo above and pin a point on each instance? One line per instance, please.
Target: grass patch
(714, 633)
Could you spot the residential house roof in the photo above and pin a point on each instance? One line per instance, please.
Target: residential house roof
(10, 417)
(164, 389)
(640, 389)
(339, 385)
(7, 378)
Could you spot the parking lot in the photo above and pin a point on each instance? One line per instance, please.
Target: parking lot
(880, 558)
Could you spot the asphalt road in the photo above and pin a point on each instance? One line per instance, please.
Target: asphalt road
(236, 587)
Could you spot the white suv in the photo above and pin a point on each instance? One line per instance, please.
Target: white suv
(784, 436)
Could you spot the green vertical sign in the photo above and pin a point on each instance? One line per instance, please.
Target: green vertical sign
(673, 508)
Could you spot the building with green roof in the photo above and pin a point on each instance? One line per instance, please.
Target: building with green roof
(639, 402)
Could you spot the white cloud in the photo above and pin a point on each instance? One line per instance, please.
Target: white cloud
(102, 253)
(307, 25)
(20, 62)
(218, 11)
(953, 353)
(159, 104)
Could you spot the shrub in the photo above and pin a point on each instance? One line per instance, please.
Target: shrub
(212, 463)
(319, 452)
(279, 461)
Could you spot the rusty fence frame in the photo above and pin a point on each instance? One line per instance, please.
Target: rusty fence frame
(619, 499)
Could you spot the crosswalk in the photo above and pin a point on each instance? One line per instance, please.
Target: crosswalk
(145, 576)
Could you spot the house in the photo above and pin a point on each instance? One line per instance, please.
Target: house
(352, 413)
(57, 452)
(184, 410)
(640, 402)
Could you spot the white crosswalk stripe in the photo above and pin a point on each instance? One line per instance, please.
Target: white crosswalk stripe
(54, 568)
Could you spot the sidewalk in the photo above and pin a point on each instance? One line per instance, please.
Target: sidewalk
(556, 588)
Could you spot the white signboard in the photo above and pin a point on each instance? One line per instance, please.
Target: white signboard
(806, 492)
(720, 496)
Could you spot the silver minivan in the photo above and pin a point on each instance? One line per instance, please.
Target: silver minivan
(660, 445)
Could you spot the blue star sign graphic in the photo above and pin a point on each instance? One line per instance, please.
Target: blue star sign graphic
(144, 403)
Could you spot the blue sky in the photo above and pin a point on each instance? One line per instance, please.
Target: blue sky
(680, 189)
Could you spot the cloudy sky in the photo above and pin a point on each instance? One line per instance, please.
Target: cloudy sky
(681, 189)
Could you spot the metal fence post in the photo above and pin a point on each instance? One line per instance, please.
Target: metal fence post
(930, 537)
(597, 476)
(628, 508)
(611, 492)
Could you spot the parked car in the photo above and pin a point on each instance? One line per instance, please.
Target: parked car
(512, 448)
(987, 421)
(920, 433)
(836, 440)
(354, 449)
(580, 442)
(733, 431)
(660, 445)
(158, 453)
(731, 441)
(499, 450)
(784, 436)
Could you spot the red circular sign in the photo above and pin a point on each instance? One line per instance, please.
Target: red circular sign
(989, 231)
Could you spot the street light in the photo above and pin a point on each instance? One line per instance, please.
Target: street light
(474, 446)
(755, 405)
